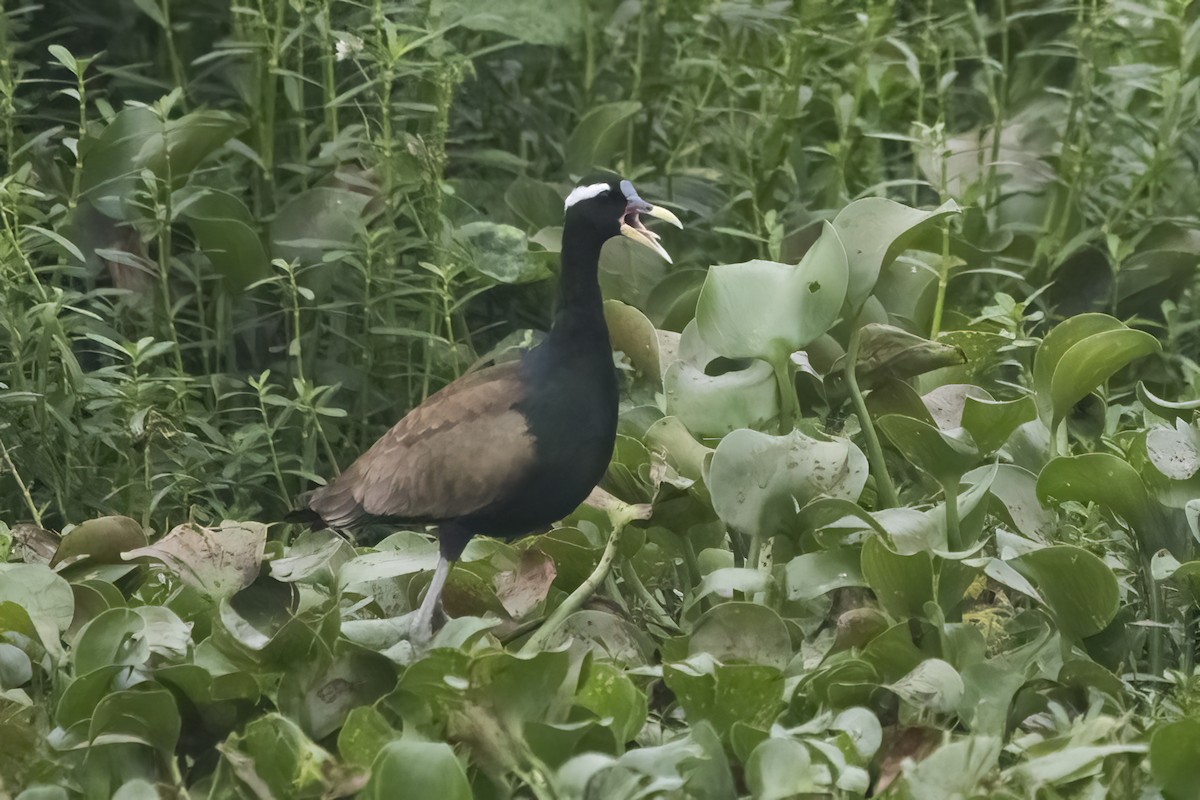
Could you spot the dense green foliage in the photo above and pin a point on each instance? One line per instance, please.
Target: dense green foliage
(906, 498)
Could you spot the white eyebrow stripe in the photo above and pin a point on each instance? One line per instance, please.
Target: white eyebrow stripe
(583, 193)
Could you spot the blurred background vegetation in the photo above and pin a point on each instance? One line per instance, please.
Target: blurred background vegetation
(240, 238)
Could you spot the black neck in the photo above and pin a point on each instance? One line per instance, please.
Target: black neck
(580, 306)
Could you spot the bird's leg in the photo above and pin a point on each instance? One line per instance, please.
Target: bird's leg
(422, 626)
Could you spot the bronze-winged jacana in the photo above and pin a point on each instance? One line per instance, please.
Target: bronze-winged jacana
(509, 449)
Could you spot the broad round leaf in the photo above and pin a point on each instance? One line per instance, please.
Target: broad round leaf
(1174, 754)
(742, 632)
(768, 310)
(1099, 478)
(782, 768)
(813, 574)
(714, 405)
(1092, 361)
(100, 540)
(876, 230)
(217, 561)
(1078, 587)
(757, 481)
(945, 455)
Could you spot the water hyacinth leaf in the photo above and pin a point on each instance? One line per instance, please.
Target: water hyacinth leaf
(217, 561)
(628, 271)
(281, 759)
(1174, 452)
(714, 405)
(767, 310)
(1089, 363)
(903, 584)
(1170, 411)
(225, 231)
(148, 716)
(957, 769)
(599, 133)
(609, 693)
(991, 422)
(758, 481)
(320, 695)
(1174, 753)
(315, 221)
(16, 669)
(364, 735)
(43, 595)
(945, 455)
(742, 633)
(634, 335)
(890, 353)
(1099, 478)
(1054, 346)
(724, 581)
(933, 686)
(314, 557)
(670, 439)
(813, 574)
(501, 252)
(607, 636)
(782, 768)
(100, 540)
(725, 694)
(875, 231)
(1078, 587)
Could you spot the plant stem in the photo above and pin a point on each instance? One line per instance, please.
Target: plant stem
(582, 593)
(953, 534)
(32, 506)
(788, 405)
(886, 490)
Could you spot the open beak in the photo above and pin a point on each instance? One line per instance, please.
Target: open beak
(632, 227)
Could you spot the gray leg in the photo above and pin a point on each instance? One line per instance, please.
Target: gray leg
(422, 626)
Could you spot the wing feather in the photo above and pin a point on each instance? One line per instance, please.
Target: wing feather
(453, 455)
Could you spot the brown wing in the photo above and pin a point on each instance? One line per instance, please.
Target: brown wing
(450, 456)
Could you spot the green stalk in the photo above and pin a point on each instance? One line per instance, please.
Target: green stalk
(788, 404)
(883, 480)
(25, 493)
(953, 533)
(582, 593)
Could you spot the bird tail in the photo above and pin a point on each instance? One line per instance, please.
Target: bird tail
(303, 514)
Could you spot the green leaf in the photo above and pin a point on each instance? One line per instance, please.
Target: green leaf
(219, 562)
(607, 692)
(100, 540)
(714, 405)
(813, 574)
(540, 22)
(43, 595)
(741, 633)
(757, 481)
(903, 584)
(225, 232)
(148, 716)
(933, 686)
(63, 56)
(888, 353)
(945, 455)
(1170, 411)
(600, 133)
(767, 310)
(876, 230)
(991, 422)
(1078, 587)
(500, 252)
(725, 694)
(1089, 363)
(537, 203)
(634, 335)
(1174, 753)
(779, 769)
(317, 220)
(364, 735)
(1100, 478)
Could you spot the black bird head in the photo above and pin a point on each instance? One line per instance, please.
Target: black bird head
(607, 206)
